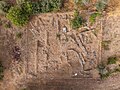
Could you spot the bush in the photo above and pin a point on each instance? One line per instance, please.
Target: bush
(103, 72)
(36, 7)
(18, 16)
(112, 60)
(77, 21)
(56, 4)
(94, 16)
(44, 6)
(4, 7)
(27, 7)
(101, 5)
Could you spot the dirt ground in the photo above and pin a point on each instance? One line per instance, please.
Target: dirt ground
(51, 57)
(48, 52)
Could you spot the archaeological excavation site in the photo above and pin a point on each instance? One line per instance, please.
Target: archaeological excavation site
(59, 45)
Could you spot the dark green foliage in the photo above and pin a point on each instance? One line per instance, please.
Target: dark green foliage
(4, 7)
(78, 20)
(112, 60)
(18, 16)
(103, 69)
(36, 7)
(94, 16)
(1, 71)
(56, 4)
(44, 6)
(27, 7)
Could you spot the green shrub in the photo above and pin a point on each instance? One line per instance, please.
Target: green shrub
(37, 7)
(94, 16)
(112, 60)
(101, 5)
(4, 7)
(103, 72)
(27, 7)
(44, 6)
(56, 4)
(18, 16)
(78, 20)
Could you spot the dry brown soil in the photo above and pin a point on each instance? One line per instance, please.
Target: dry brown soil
(50, 57)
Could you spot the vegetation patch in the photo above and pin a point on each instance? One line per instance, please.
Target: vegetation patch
(108, 68)
(112, 60)
(101, 5)
(77, 21)
(4, 7)
(102, 71)
(93, 17)
(18, 16)
(44, 6)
